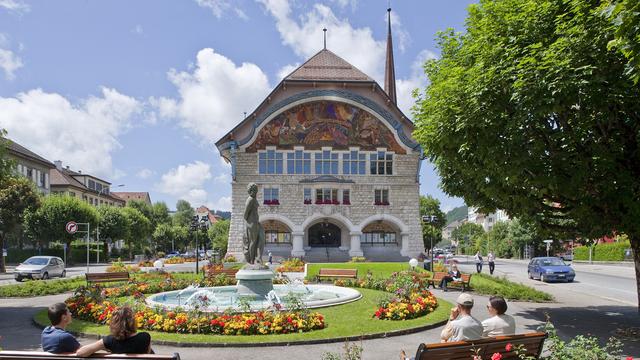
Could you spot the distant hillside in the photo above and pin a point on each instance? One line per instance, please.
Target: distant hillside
(224, 214)
(457, 214)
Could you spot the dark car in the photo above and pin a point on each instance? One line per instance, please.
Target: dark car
(550, 269)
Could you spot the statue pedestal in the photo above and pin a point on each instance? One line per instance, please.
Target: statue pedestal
(254, 282)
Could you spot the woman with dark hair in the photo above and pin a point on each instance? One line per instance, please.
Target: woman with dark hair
(499, 323)
(123, 339)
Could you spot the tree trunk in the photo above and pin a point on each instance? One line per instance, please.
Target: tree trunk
(2, 268)
(635, 246)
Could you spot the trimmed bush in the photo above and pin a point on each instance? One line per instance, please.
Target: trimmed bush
(602, 252)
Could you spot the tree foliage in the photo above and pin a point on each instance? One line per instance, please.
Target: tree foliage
(532, 111)
(184, 213)
(160, 214)
(219, 235)
(625, 16)
(163, 236)
(17, 195)
(432, 230)
(112, 222)
(466, 235)
(138, 229)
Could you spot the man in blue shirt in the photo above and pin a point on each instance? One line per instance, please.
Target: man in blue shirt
(54, 338)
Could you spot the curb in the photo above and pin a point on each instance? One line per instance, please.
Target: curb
(269, 344)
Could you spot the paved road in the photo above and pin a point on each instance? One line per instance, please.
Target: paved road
(7, 278)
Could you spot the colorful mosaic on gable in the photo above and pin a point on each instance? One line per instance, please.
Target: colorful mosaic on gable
(326, 123)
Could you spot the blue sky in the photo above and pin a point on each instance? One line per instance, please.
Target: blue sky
(137, 92)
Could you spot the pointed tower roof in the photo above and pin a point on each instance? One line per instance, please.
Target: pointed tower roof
(327, 66)
(389, 68)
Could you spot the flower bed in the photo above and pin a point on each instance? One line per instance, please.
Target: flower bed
(174, 260)
(145, 263)
(95, 303)
(411, 297)
(291, 265)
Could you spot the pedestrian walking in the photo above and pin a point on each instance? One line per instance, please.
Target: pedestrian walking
(478, 259)
(492, 262)
(270, 258)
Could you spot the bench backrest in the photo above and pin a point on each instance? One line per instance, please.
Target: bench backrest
(21, 355)
(228, 272)
(107, 277)
(438, 276)
(465, 278)
(464, 350)
(339, 272)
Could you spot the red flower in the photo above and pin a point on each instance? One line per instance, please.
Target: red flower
(289, 319)
(496, 356)
(629, 358)
(509, 347)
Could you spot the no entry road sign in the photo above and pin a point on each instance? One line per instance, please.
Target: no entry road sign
(71, 227)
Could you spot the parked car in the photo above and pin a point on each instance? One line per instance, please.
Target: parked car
(172, 254)
(550, 269)
(566, 256)
(40, 267)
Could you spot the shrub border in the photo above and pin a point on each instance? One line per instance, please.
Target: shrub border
(263, 344)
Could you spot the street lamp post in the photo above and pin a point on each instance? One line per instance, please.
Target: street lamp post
(430, 219)
(196, 225)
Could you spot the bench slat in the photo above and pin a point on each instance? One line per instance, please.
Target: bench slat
(485, 347)
(107, 277)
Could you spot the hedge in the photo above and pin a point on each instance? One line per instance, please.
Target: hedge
(602, 252)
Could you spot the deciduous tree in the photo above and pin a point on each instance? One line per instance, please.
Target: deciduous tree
(532, 111)
(219, 235)
(431, 230)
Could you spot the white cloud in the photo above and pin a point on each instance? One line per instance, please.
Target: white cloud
(223, 178)
(187, 182)
(9, 62)
(145, 173)
(223, 204)
(213, 97)
(118, 174)
(286, 70)
(219, 7)
(304, 36)
(138, 29)
(417, 80)
(353, 4)
(15, 6)
(83, 135)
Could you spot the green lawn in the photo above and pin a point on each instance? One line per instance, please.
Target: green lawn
(353, 319)
(493, 285)
(378, 269)
(41, 287)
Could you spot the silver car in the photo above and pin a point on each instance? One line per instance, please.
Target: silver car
(40, 267)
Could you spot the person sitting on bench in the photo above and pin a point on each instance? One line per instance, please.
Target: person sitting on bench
(123, 339)
(55, 339)
(461, 325)
(454, 275)
(499, 323)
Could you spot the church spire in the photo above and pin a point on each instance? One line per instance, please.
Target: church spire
(389, 69)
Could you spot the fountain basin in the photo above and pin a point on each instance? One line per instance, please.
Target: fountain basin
(221, 298)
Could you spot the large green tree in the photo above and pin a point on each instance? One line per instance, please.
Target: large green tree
(160, 214)
(164, 237)
(466, 235)
(112, 224)
(532, 112)
(431, 229)
(47, 223)
(138, 229)
(219, 235)
(184, 213)
(17, 195)
(625, 16)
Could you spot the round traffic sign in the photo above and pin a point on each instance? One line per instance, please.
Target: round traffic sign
(71, 227)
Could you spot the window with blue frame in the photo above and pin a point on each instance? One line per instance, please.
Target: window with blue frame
(271, 196)
(326, 163)
(354, 163)
(270, 162)
(381, 163)
(298, 162)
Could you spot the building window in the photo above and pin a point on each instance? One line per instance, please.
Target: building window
(270, 162)
(327, 197)
(273, 237)
(29, 173)
(379, 238)
(346, 197)
(271, 196)
(381, 163)
(354, 163)
(91, 184)
(98, 187)
(298, 162)
(326, 163)
(72, 194)
(381, 197)
(42, 182)
(307, 196)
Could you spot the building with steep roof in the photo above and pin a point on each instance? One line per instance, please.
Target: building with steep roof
(30, 165)
(334, 161)
(128, 196)
(89, 188)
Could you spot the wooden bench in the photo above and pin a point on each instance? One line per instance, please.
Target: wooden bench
(107, 277)
(337, 273)
(227, 272)
(485, 348)
(464, 281)
(27, 355)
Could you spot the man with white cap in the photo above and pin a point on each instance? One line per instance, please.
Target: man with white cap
(461, 325)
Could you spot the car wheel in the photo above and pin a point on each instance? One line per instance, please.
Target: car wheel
(19, 279)
(542, 278)
(570, 280)
(45, 276)
(530, 276)
(64, 273)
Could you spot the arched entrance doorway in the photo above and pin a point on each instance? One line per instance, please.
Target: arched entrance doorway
(324, 234)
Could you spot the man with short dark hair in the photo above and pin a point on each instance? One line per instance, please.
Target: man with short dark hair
(54, 338)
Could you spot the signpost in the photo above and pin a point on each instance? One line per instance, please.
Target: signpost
(72, 228)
